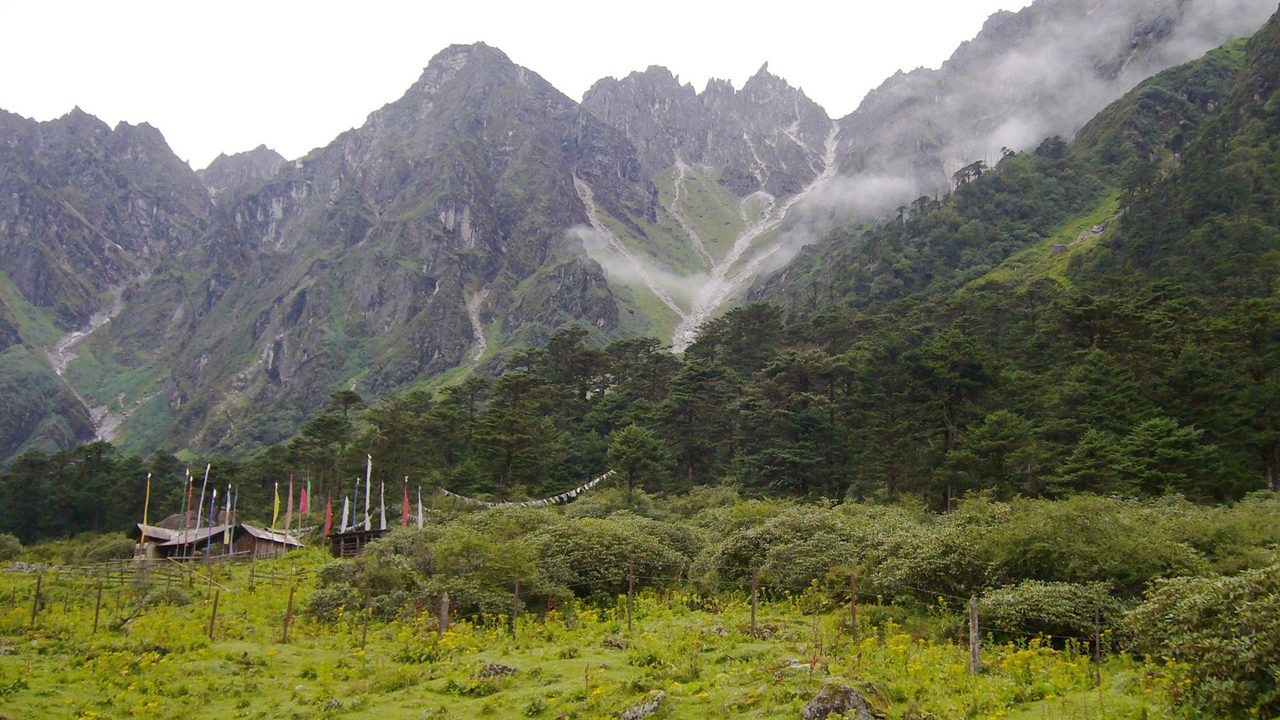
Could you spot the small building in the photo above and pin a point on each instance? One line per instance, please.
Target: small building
(195, 543)
(350, 543)
(155, 542)
(262, 543)
(150, 538)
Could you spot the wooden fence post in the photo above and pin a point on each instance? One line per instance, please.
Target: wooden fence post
(1097, 644)
(213, 616)
(975, 660)
(288, 615)
(368, 610)
(35, 599)
(754, 589)
(444, 613)
(853, 605)
(631, 589)
(97, 607)
(515, 608)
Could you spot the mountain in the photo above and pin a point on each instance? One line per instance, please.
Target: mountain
(89, 212)
(159, 307)
(242, 171)
(393, 254)
(729, 165)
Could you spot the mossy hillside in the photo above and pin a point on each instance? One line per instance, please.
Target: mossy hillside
(712, 211)
(581, 661)
(1051, 256)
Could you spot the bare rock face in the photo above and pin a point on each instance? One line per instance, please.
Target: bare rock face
(233, 174)
(768, 135)
(86, 207)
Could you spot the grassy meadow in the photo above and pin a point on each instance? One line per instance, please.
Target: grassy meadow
(152, 657)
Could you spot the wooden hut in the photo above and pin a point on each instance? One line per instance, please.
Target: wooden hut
(350, 543)
(149, 539)
(262, 543)
(195, 543)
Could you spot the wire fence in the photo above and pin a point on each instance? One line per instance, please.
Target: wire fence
(125, 583)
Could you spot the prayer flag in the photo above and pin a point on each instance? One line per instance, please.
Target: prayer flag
(200, 507)
(288, 508)
(328, 516)
(382, 506)
(368, 490)
(404, 505)
(275, 511)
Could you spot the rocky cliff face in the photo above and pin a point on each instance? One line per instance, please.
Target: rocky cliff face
(768, 136)
(234, 174)
(86, 208)
(364, 263)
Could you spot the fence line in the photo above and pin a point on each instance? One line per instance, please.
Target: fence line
(118, 574)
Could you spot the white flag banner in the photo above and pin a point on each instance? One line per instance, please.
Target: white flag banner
(545, 502)
(346, 508)
(368, 478)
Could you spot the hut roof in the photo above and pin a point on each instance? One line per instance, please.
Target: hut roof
(278, 536)
(154, 532)
(194, 536)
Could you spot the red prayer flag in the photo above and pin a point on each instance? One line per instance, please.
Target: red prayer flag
(302, 502)
(404, 508)
(328, 517)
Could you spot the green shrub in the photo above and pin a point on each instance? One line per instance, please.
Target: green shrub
(1048, 608)
(166, 596)
(591, 555)
(10, 547)
(1227, 632)
(330, 602)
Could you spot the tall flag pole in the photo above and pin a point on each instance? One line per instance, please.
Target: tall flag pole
(368, 478)
(186, 518)
(146, 504)
(404, 505)
(275, 511)
(288, 513)
(226, 519)
(419, 507)
(328, 516)
(382, 506)
(213, 503)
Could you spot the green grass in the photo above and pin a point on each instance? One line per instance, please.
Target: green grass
(1039, 260)
(581, 661)
(710, 209)
(35, 326)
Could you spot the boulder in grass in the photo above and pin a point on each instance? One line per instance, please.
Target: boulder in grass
(645, 708)
(841, 701)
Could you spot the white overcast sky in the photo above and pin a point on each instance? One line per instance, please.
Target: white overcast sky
(228, 75)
